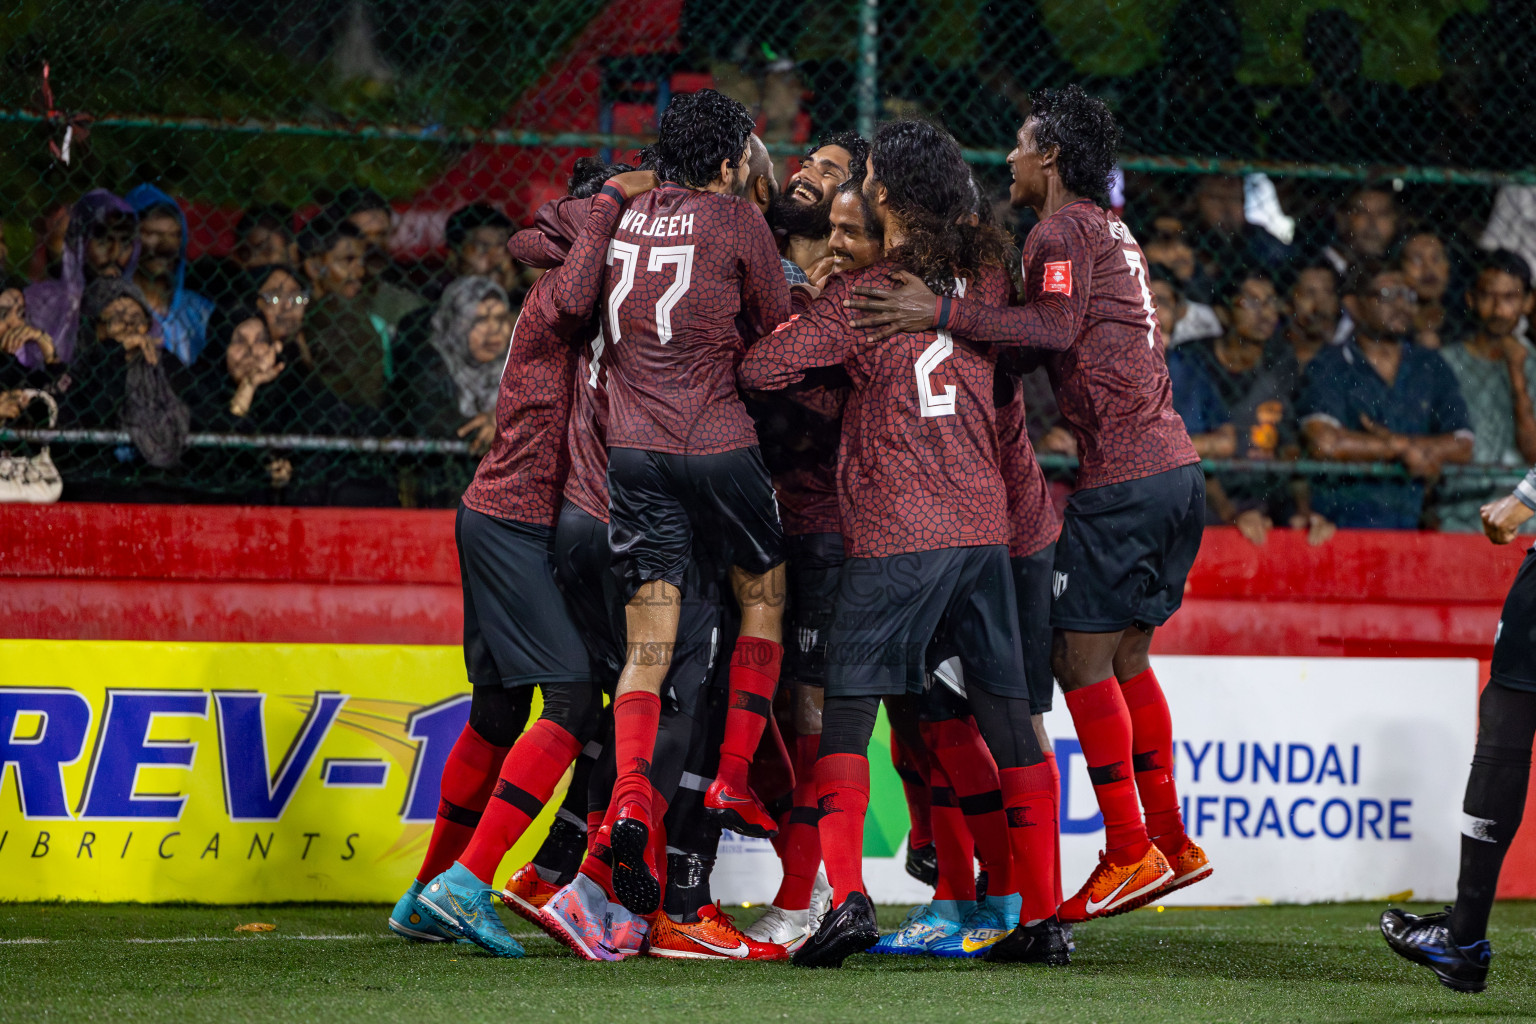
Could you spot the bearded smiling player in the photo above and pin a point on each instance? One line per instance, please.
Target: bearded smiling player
(1133, 527)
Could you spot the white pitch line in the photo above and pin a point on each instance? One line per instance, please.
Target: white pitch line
(268, 936)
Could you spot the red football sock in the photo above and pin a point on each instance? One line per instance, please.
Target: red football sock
(598, 863)
(1030, 806)
(1152, 759)
(636, 716)
(842, 793)
(754, 676)
(1104, 729)
(1050, 759)
(952, 842)
(468, 778)
(800, 842)
(529, 774)
(912, 767)
(959, 747)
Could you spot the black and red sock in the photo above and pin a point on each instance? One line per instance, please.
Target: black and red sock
(912, 768)
(1152, 759)
(1104, 729)
(842, 796)
(636, 717)
(468, 778)
(529, 774)
(754, 676)
(1029, 804)
(958, 745)
(800, 846)
(953, 846)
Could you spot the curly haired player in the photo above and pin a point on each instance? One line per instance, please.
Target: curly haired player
(1133, 527)
(925, 522)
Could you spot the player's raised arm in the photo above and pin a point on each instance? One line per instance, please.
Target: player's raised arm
(817, 337)
(580, 282)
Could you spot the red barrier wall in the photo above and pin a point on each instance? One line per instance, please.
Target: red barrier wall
(160, 572)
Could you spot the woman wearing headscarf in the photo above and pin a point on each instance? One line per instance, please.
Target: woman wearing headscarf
(448, 387)
(122, 380)
(101, 242)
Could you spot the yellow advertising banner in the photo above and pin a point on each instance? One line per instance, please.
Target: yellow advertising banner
(224, 773)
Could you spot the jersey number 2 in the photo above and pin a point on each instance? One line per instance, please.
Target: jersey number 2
(628, 255)
(929, 403)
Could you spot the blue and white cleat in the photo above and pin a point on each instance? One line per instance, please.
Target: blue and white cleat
(1427, 941)
(982, 929)
(918, 933)
(465, 906)
(409, 922)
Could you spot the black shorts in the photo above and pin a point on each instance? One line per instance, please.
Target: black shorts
(592, 593)
(1514, 645)
(1032, 593)
(815, 562)
(893, 611)
(1125, 550)
(517, 631)
(663, 508)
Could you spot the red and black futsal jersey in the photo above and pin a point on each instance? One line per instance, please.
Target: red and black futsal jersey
(522, 476)
(681, 266)
(1086, 301)
(1032, 518)
(586, 485)
(918, 461)
(805, 480)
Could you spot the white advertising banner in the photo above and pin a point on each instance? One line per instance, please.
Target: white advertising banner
(1305, 780)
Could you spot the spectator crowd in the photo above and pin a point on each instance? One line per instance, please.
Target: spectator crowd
(1386, 342)
(303, 330)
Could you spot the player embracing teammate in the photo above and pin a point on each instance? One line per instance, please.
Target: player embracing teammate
(925, 527)
(1132, 528)
(676, 270)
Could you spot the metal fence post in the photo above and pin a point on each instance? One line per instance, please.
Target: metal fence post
(869, 67)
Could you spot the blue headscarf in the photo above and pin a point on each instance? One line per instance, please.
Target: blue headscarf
(185, 323)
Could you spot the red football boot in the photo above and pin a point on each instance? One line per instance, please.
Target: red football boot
(740, 811)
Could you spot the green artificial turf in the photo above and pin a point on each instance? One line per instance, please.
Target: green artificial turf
(337, 963)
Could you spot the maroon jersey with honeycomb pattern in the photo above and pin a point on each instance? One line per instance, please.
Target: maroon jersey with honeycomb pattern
(918, 462)
(807, 494)
(1031, 516)
(522, 475)
(1086, 300)
(586, 486)
(681, 266)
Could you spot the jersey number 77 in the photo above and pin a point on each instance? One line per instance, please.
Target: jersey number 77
(627, 255)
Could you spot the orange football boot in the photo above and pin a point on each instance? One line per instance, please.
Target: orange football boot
(526, 893)
(714, 936)
(1115, 888)
(1190, 865)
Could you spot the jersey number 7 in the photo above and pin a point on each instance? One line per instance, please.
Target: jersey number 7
(627, 254)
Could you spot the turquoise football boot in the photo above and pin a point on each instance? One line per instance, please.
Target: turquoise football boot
(408, 920)
(465, 906)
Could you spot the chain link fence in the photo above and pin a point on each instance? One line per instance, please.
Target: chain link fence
(287, 191)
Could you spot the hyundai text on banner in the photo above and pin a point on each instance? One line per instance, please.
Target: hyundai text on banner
(1305, 779)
